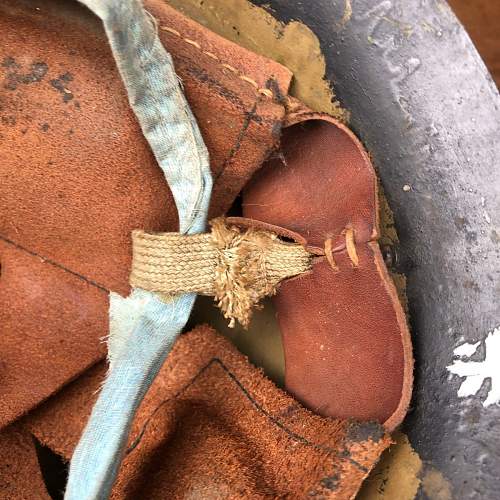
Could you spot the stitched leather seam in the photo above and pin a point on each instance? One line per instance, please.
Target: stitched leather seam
(344, 454)
(349, 246)
(46, 260)
(234, 150)
(239, 140)
(263, 91)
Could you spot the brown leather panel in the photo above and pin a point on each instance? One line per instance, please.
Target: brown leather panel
(322, 186)
(343, 358)
(346, 341)
(212, 426)
(20, 476)
(77, 175)
(51, 322)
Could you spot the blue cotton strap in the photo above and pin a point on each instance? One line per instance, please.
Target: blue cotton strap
(143, 326)
(155, 94)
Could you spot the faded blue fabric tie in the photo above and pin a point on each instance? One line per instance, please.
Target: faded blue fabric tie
(143, 326)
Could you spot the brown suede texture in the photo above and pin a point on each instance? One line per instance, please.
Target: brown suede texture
(50, 323)
(212, 426)
(77, 176)
(20, 476)
(346, 341)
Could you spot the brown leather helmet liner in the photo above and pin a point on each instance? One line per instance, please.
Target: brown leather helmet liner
(346, 340)
(77, 176)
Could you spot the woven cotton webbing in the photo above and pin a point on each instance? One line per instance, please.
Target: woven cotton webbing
(237, 266)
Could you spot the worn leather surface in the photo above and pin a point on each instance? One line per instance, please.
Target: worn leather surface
(346, 341)
(77, 176)
(212, 426)
(51, 322)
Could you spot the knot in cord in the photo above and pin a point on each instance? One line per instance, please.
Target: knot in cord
(238, 267)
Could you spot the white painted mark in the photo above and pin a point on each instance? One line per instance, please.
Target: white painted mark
(476, 372)
(466, 349)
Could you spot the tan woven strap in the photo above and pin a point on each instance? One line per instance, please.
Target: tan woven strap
(236, 266)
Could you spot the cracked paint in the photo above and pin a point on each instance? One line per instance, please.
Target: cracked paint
(476, 372)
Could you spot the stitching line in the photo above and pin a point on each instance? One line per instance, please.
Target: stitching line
(266, 92)
(249, 115)
(297, 437)
(45, 260)
(349, 245)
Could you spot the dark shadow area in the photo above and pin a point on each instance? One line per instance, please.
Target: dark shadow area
(54, 470)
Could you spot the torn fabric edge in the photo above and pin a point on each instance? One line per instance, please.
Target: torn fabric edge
(143, 326)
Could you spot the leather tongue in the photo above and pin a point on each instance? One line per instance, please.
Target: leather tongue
(346, 340)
